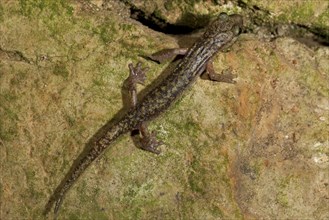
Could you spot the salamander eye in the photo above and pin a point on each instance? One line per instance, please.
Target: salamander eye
(223, 16)
(236, 30)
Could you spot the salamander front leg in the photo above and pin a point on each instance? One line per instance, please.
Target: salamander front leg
(136, 75)
(147, 139)
(167, 54)
(226, 76)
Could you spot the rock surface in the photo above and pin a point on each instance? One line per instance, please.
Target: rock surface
(258, 149)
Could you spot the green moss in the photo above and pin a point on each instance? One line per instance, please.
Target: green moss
(196, 178)
(192, 128)
(8, 97)
(107, 78)
(322, 148)
(55, 15)
(127, 27)
(8, 126)
(312, 80)
(70, 120)
(73, 216)
(158, 14)
(32, 8)
(98, 82)
(216, 212)
(7, 133)
(282, 197)
(100, 215)
(1, 190)
(81, 192)
(322, 22)
(1, 13)
(30, 174)
(106, 31)
(135, 213)
(20, 76)
(302, 13)
(256, 167)
(60, 69)
(130, 193)
(318, 133)
(169, 5)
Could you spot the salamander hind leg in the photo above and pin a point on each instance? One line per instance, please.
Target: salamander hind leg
(167, 54)
(147, 140)
(226, 76)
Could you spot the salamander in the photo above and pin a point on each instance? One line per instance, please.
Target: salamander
(220, 34)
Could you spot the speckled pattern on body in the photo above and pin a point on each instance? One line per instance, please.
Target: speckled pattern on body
(220, 33)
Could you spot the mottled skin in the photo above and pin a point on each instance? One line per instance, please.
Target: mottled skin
(219, 34)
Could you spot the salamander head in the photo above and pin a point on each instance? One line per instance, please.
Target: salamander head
(225, 27)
